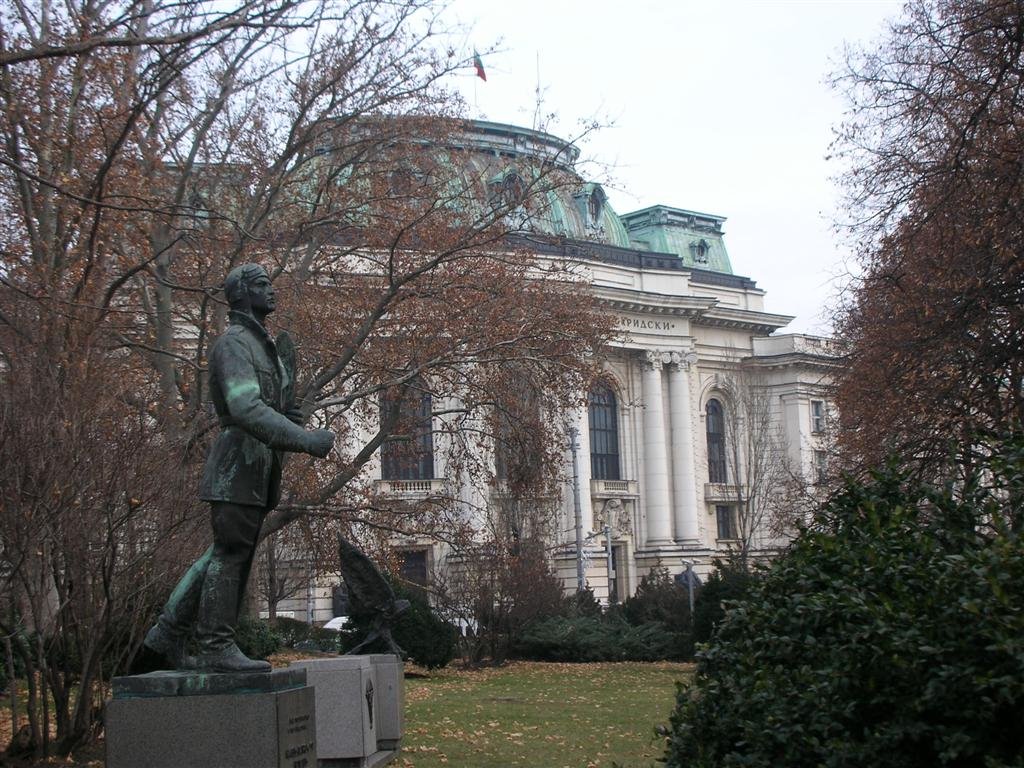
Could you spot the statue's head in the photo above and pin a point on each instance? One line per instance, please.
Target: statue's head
(248, 288)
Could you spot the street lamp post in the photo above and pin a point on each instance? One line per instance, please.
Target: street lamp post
(608, 554)
(576, 507)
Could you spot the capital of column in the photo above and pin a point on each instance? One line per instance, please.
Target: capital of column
(654, 359)
(682, 360)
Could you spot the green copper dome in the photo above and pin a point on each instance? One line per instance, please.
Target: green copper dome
(695, 237)
(530, 178)
(496, 155)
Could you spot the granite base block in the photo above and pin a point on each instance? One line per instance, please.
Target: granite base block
(169, 720)
(389, 684)
(345, 705)
(376, 760)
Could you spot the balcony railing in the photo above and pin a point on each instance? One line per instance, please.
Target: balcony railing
(418, 488)
(722, 492)
(613, 488)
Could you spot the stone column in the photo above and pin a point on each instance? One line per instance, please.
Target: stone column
(582, 416)
(685, 506)
(659, 521)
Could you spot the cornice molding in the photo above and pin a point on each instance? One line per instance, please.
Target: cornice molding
(745, 319)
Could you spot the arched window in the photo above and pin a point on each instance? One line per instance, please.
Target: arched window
(411, 455)
(604, 433)
(715, 422)
(517, 434)
(507, 190)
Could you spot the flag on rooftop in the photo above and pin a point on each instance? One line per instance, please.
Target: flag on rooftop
(479, 65)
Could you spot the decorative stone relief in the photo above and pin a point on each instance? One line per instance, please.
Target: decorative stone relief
(618, 516)
(656, 358)
(683, 360)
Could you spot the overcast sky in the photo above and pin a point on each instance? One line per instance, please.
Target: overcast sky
(718, 106)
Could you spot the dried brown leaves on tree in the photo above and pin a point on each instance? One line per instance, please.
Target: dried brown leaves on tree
(935, 320)
(148, 148)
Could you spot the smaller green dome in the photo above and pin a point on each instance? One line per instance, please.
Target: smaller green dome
(695, 237)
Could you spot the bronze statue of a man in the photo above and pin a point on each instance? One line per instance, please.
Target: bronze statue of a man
(252, 388)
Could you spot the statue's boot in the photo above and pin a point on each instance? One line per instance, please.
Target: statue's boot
(230, 659)
(169, 636)
(218, 615)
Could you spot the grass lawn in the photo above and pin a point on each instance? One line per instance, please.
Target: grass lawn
(525, 714)
(539, 715)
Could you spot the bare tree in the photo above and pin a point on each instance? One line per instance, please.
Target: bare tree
(758, 468)
(275, 578)
(150, 147)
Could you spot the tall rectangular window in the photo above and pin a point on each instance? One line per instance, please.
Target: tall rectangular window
(517, 425)
(413, 568)
(411, 455)
(817, 416)
(726, 529)
(604, 434)
(715, 426)
(820, 466)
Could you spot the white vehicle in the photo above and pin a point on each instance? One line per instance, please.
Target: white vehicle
(337, 623)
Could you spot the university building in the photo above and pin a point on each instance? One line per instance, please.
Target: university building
(708, 412)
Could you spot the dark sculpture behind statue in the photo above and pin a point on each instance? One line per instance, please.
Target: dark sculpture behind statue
(371, 590)
(252, 381)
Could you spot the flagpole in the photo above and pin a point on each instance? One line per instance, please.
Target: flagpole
(478, 65)
(536, 94)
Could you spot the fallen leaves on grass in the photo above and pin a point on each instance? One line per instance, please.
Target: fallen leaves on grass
(528, 713)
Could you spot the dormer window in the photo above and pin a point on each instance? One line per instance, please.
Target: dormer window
(401, 182)
(699, 251)
(595, 206)
(590, 203)
(508, 190)
(200, 210)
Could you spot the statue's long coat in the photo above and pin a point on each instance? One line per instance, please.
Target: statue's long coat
(251, 388)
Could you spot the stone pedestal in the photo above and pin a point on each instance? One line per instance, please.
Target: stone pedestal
(346, 697)
(389, 687)
(210, 720)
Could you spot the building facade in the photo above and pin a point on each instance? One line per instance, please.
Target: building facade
(705, 415)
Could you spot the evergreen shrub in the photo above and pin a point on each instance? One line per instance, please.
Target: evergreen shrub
(660, 600)
(256, 638)
(653, 625)
(891, 635)
(590, 638)
(426, 638)
(294, 632)
(727, 584)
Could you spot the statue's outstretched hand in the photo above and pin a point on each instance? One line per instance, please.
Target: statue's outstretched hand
(320, 442)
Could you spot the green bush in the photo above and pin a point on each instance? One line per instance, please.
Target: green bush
(256, 638)
(581, 603)
(593, 638)
(653, 625)
(892, 636)
(427, 639)
(659, 599)
(728, 583)
(293, 632)
(326, 640)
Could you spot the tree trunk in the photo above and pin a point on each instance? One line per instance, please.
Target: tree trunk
(12, 682)
(271, 578)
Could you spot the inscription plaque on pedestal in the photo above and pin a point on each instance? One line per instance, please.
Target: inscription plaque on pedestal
(196, 720)
(296, 733)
